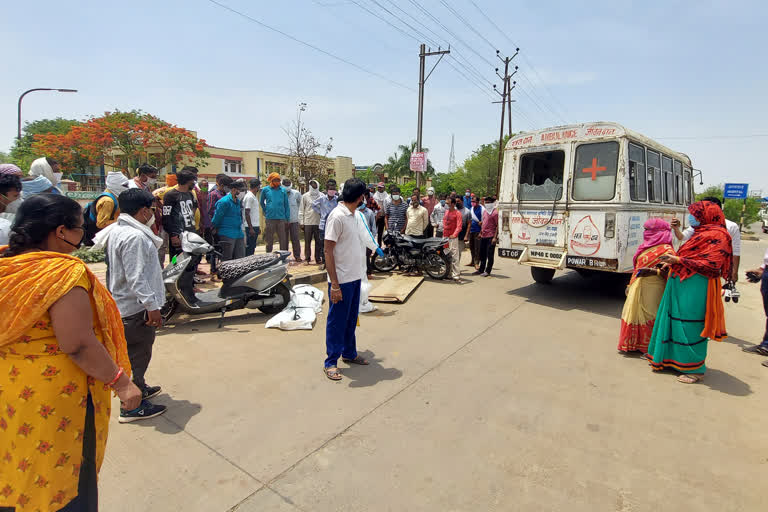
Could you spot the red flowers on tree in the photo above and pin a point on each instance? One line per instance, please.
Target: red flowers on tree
(122, 140)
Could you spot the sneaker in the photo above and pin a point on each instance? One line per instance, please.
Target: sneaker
(484, 274)
(150, 392)
(142, 412)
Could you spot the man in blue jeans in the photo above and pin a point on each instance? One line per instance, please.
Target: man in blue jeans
(345, 262)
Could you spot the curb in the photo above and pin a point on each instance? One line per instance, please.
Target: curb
(313, 278)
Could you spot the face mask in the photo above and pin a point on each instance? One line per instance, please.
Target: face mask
(430, 193)
(442, 202)
(150, 221)
(395, 197)
(288, 187)
(57, 176)
(693, 221)
(241, 195)
(466, 194)
(79, 244)
(361, 207)
(331, 193)
(151, 181)
(204, 189)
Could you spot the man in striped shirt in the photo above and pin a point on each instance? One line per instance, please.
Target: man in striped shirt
(395, 218)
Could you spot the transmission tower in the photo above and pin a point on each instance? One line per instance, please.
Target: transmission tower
(452, 158)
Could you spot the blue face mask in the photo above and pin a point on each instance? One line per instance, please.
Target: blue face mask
(693, 221)
(442, 202)
(361, 207)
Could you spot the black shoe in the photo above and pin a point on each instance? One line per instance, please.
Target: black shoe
(150, 391)
(476, 273)
(757, 349)
(142, 412)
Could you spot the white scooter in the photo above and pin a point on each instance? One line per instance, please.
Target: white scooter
(256, 282)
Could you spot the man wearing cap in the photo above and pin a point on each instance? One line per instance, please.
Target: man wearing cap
(324, 205)
(277, 212)
(382, 199)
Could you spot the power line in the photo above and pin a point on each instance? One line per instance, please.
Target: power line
(463, 20)
(527, 61)
(309, 45)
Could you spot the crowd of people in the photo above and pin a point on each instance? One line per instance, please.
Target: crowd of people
(674, 304)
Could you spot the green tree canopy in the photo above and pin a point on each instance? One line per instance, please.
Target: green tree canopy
(732, 207)
(22, 153)
(479, 172)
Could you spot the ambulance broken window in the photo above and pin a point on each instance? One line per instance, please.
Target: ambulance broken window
(541, 176)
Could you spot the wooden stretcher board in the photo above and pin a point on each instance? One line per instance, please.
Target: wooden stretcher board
(395, 288)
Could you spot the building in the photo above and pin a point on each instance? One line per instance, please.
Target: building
(235, 163)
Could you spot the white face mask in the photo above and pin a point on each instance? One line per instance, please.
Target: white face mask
(150, 221)
(288, 187)
(430, 193)
(241, 195)
(151, 181)
(57, 176)
(13, 206)
(395, 197)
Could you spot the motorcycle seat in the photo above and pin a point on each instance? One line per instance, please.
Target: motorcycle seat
(232, 269)
(422, 241)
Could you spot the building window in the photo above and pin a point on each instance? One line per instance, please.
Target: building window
(233, 166)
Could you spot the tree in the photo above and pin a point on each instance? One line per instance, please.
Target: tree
(479, 172)
(122, 140)
(307, 156)
(399, 163)
(732, 207)
(22, 153)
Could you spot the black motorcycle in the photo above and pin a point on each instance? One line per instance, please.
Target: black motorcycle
(414, 254)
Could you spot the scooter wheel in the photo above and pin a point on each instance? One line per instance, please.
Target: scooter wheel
(282, 290)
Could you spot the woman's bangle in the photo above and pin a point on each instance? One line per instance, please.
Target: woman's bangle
(120, 373)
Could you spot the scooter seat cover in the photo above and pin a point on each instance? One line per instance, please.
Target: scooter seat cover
(233, 269)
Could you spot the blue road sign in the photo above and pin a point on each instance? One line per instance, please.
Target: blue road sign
(735, 191)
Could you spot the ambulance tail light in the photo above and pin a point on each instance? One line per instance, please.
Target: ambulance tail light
(610, 225)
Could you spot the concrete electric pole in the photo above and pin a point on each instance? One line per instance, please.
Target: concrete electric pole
(423, 54)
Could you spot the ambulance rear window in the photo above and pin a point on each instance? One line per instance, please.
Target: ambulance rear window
(541, 176)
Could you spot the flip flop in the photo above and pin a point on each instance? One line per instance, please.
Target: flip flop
(332, 373)
(756, 349)
(357, 360)
(690, 378)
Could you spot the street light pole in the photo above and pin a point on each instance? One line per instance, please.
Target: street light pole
(33, 90)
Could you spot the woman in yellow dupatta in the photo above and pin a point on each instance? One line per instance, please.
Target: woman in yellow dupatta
(61, 348)
(646, 287)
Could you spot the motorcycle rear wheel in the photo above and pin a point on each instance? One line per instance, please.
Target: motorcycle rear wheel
(282, 290)
(386, 263)
(438, 266)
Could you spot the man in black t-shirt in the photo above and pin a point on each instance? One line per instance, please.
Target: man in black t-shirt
(179, 205)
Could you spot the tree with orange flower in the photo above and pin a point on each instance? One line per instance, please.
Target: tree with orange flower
(123, 141)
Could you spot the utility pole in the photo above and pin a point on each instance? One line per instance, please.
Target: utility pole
(505, 100)
(423, 54)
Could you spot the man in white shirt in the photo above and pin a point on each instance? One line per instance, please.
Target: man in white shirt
(309, 220)
(382, 199)
(251, 213)
(345, 262)
(733, 230)
(292, 226)
(417, 218)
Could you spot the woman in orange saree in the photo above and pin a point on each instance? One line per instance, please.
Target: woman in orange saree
(62, 347)
(645, 290)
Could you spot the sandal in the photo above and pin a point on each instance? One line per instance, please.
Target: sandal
(756, 349)
(357, 360)
(332, 373)
(690, 378)
(765, 363)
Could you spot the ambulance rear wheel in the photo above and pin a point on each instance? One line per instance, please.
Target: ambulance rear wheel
(542, 275)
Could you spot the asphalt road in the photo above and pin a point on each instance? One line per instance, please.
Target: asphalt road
(498, 394)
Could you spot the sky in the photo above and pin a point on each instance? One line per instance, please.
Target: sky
(689, 74)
